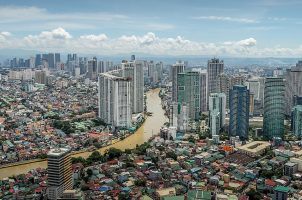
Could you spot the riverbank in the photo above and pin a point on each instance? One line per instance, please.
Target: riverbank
(150, 127)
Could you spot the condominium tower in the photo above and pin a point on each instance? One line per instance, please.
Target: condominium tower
(115, 99)
(274, 104)
(215, 68)
(134, 71)
(177, 68)
(293, 78)
(188, 91)
(217, 113)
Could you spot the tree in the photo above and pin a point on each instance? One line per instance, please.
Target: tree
(191, 139)
(89, 172)
(140, 182)
(113, 153)
(171, 154)
(254, 195)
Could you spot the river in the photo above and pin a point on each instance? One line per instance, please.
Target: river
(151, 126)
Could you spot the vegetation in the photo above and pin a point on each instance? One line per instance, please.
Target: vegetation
(171, 154)
(113, 153)
(254, 195)
(140, 182)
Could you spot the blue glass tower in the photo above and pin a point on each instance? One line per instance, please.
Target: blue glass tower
(239, 103)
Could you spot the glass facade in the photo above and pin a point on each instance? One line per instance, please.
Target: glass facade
(239, 112)
(188, 91)
(274, 108)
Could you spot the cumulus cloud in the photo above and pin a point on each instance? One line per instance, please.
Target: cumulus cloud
(97, 38)
(61, 40)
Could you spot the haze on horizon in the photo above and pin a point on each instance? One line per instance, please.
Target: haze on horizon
(258, 28)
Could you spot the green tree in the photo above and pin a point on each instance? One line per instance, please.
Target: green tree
(171, 154)
(113, 153)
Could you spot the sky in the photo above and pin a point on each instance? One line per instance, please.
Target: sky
(241, 28)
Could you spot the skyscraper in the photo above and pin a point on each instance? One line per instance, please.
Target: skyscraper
(135, 72)
(38, 60)
(114, 99)
(152, 74)
(59, 172)
(239, 112)
(274, 112)
(293, 78)
(217, 113)
(188, 91)
(297, 120)
(215, 68)
(177, 68)
(51, 60)
(203, 92)
(57, 58)
(224, 83)
(92, 69)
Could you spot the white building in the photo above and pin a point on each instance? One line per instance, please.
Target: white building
(179, 116)
(115, 99)
(134, 71)
(217, 109)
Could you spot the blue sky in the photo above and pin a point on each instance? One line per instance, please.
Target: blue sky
(228, 27)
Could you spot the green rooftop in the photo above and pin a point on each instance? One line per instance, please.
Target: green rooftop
(175, 198)
(199, 194)
(280, 188)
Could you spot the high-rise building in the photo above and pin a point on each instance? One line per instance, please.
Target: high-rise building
(239, 112)
(135, 72)
(152, 72)
(203, 92)
(297, 120)
(115, 99)
(224, 83)
(38, 60)
(254, 87)
(293, 78)
(217, 112)
(274, 113)
(40, 77)
(59, 172)
(179, 116)
(92, 69)
(101, 67)
(69, 57)
(188, 91)
(57, 58)
(132, 57)
(215, 68)
(74, 57)
(297, 100)
(51, 60)
(159, 69)
(177, 68)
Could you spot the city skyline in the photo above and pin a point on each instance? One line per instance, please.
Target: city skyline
(249, 29)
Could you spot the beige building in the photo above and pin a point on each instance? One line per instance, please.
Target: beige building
(255, 148)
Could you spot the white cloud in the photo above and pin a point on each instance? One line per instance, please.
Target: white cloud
(61, 40)
(225, 18)
(97, 38)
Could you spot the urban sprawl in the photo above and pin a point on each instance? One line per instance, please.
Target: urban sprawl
(226, 133)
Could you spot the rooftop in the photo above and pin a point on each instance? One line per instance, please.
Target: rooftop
(58, 151)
